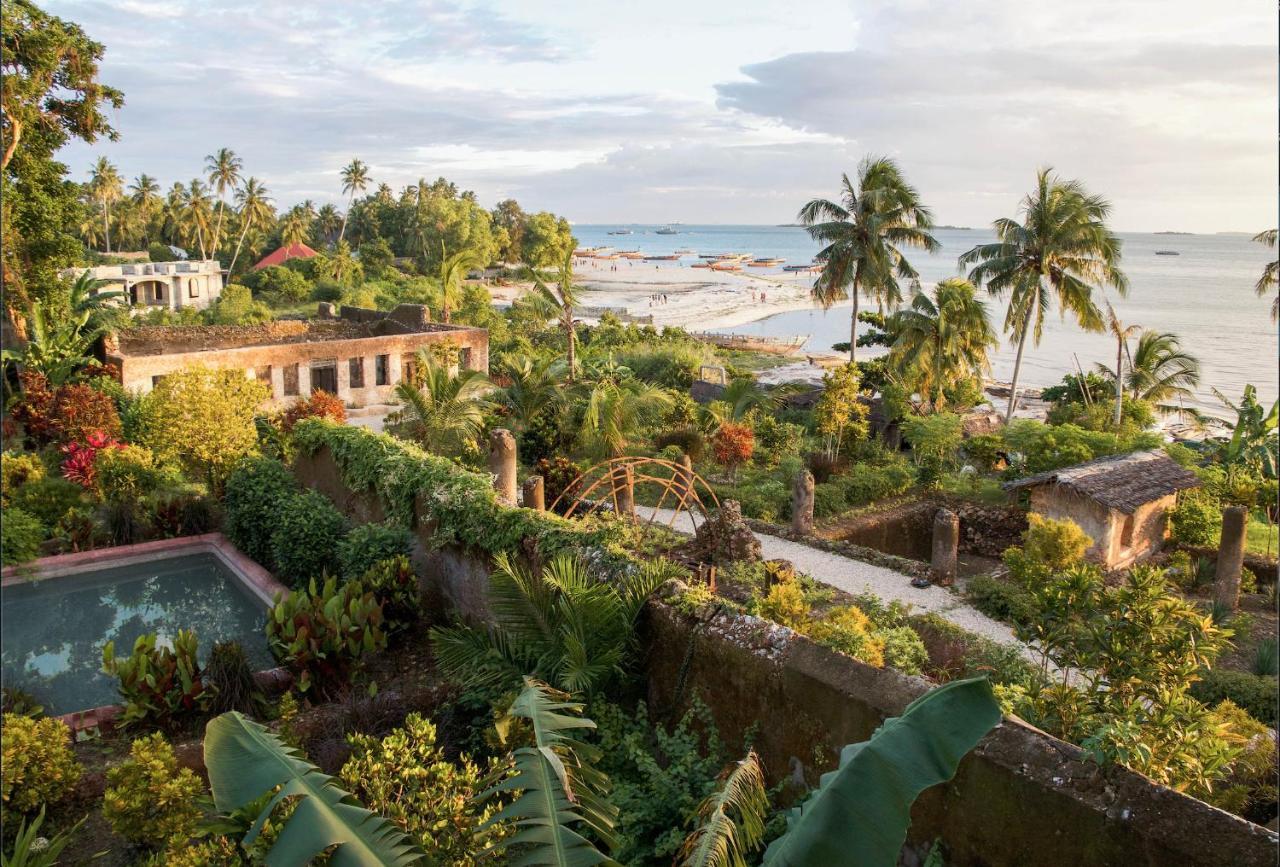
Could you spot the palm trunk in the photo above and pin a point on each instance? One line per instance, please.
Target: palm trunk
(346, 214)
(1119, 381)
(572, 337)
(106, 222)
(853, 327)
(243, 231)
(1017, 368)
(217, 229)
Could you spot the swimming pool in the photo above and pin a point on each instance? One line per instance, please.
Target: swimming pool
(56, 625)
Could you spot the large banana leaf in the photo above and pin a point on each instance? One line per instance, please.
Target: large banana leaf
(557, 789)
(860, 813)
(246, 761)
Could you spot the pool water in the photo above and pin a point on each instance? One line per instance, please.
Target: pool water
(55, 628)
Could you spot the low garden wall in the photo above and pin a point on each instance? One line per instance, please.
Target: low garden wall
(1265, 569)
(1021, 797)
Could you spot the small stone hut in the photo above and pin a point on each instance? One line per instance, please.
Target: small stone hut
(1119, 500)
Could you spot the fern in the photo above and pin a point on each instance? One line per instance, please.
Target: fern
(558, 792)
(730, 820)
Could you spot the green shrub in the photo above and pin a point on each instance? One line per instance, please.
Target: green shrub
(321, 632)
(866, 483)
(764, 499)
(1002, 600)
(130, 473)
(1057, 543)
(18, 469)
(229, 679)
(1196, 520)
(149, 800)
(829, 499)
(849, 631)
(37, 764)
(369, 544)
(1257, 694)
(784, 604)
(256, 489)
(394, 583)
(160, 686)
(50, 498)
(904, 650)
(279, 285)
(406, 778)
(1266, 658)
(302, 540)
(20, 536)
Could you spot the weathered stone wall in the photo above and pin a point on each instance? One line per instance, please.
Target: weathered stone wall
(1265, 569)
(1021, 798)
(451, 578)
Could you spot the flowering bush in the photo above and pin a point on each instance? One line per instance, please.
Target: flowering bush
(321, 404)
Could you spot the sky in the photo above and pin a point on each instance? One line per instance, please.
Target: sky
(709, 111)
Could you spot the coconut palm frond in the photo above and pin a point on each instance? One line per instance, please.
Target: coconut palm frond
(730, 820)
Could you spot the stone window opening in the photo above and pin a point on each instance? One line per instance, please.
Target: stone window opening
(290, 380)
(193, 288)
(380, 372)
(263, 374)
(324, 376)
(355, 368)
(464, 358)
(1126, 532)
(408, 369)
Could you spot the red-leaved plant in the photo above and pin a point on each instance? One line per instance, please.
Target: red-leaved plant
(78, 466)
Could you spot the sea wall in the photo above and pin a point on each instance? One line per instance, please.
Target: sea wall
(1021, 797)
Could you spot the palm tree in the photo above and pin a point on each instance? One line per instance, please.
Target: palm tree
(943, 340)
(294, 227)
(145, 193)
(106, 186)
(453, 269)
(255, 207)
(224, 174)
(443, 412)
(1062, 248)
(1159, 369)
(617, 410)
(88, 304)
(563, 298)
(535, 388)
(326, 224)
(341, 265)
(1121, 333)
(174, 227)
(355, 179)
(197, 214)
(861, 235)
(1270, 274)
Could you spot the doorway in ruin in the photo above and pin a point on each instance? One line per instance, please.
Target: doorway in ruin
(324, 375)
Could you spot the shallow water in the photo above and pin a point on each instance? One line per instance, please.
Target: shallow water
(1204, 295)
(54, 629)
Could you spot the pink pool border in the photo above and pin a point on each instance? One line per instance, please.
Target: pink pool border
(261, 583)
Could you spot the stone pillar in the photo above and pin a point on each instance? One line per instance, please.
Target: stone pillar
(304, 379)
(393, 369)
(1235, 521)
(344, 380)
(946, 543)
(532, 494)
(502, 463)
(802, 503)
(625, 491)
(277, 381)
(683, 487)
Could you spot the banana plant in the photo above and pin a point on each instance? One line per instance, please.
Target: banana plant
(860, 813)
(1253, 436)
(557, 792)
(246, 762)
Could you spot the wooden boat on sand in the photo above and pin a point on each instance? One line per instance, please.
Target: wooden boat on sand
(755, 343)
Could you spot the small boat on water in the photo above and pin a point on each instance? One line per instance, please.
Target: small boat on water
(685, 252)
(765, 263)
(1166, 253)
(671, 258)
(631, 254)
(621, 232)
(667, 230)
(756, 343)
(801, 268)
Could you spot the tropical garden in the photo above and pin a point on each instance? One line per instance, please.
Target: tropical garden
(409, 732)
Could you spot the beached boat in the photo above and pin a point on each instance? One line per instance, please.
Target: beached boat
(700, 265)
(661, 258)
(726, 266)
(756, 343)
(801, 268)
(1166, 253)
(765, 263)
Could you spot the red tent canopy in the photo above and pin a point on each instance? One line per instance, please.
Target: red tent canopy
(283, 254)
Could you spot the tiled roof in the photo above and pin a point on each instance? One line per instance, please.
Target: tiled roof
(1121, 482)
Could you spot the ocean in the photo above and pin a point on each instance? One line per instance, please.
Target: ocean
(1205, 295)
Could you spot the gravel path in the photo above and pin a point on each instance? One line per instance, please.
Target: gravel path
(855, 576)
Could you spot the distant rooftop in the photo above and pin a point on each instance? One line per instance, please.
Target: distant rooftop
(281, 255)
(151, 269)
(1121, 482)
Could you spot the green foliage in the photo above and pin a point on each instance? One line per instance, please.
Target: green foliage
(866, 483)
(304, 529)
(849, 631)
(1196, 520)
(671, 365)
(1257, 694)
(829, 499)
(18, 469)
(322, 633)
(394, 583)
(235, 306)
(279, 285)
(31, 849)
(255, 491)
(38, 766)
(1001, 600)
(130, 473)
(369, 544)
(229, 679)
(1054, 543)
(149, 800)
(1252, 781)
(860, 813)
(731, 820)
(20, 536)
(1037, 447)
(841, 413)
(251, 768)
(1266, 658)
(562, 624)
(558, 796)
(161, 686)
(405, 777)
(904, 650)
(203, 420)
(934, 437)
(784, 603)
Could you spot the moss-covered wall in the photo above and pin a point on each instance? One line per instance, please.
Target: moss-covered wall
(1021, 798)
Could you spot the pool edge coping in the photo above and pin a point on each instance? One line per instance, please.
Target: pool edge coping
(257, 580)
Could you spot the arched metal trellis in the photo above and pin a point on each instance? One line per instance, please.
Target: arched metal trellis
(683, 490)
